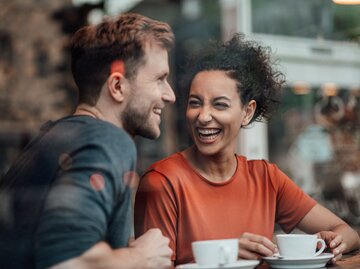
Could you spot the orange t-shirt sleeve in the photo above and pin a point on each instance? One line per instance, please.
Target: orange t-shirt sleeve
(292, 202)
(155, 207)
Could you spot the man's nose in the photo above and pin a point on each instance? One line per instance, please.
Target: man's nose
(169, 95)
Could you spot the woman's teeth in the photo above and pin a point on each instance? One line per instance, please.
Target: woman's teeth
(208, 134)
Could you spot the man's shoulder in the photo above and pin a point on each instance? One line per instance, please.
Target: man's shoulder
(88, 130)
(87, 123)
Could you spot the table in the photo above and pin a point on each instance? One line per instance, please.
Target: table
(349, 261)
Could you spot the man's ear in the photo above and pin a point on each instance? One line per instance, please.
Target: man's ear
(116, 86)
(249, 112)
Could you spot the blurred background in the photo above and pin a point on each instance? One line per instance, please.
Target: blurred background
(315, 136)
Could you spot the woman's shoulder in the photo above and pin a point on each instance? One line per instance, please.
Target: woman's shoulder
(255, 163)
(170, 163)
(170, 171)
(264, 171)
(260, 167)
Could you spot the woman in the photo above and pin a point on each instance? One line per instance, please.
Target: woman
(208, 191)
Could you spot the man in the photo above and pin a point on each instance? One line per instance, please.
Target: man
(68, 204)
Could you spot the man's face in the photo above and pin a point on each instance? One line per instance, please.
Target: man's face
(150, 91)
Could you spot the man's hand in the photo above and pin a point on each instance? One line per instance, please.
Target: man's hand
(154, 247)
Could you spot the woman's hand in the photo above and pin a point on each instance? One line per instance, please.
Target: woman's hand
(334, 242)
(253, 246)
(338, 235)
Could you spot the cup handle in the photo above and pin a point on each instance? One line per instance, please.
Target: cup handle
(323, 246)
(224, 255)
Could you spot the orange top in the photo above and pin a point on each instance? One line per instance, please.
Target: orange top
(187, 207)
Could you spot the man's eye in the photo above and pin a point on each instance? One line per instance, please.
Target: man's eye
(162, 79)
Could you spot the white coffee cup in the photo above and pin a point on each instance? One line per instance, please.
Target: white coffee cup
(215, 252)
(299, 245)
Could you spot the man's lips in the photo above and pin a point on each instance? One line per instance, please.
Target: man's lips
(157, 111)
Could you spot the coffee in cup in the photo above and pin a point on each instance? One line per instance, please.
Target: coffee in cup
(299, 245)
(215, 252)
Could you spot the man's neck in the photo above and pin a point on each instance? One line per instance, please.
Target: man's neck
(97, 113)
(87, 110)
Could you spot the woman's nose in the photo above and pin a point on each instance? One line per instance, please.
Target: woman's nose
(204, 115)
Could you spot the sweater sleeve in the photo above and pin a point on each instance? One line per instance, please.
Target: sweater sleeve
(155, 207)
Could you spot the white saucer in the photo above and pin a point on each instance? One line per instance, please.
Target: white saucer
(240, 264)
(299, 263)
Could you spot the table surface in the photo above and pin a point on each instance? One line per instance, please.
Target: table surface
(349, 261)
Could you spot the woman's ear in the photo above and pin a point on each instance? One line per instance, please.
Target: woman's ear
(249, 111)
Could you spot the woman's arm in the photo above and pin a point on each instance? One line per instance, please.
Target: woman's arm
(155, 207)
(338, 235)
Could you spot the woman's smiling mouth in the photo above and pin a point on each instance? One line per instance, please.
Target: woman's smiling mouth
(208, 135)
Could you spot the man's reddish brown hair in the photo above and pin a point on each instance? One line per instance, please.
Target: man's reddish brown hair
(94, 48)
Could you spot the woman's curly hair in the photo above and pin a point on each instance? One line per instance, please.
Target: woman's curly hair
(250, 65)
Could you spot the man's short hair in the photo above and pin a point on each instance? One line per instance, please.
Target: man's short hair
(95, 47)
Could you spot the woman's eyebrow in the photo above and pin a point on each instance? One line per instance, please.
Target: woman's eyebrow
(194, 96)
(222, 97)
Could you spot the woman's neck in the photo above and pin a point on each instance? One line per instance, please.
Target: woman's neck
(215, 168)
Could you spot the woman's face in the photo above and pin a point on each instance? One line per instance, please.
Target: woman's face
(214, 112)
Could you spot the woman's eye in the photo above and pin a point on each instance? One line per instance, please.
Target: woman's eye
(193, 103)
(221, 105)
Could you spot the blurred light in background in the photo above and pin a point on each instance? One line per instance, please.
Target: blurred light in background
(301, 87)
(112, 7)
(347, 2)
(80, 2)
(116, 6)
(191, 9)
(329, 89)
(95, 16)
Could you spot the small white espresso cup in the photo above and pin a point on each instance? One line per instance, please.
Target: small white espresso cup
(299, 245)
(215, 252)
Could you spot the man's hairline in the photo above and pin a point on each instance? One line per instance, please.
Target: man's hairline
(144, 58)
